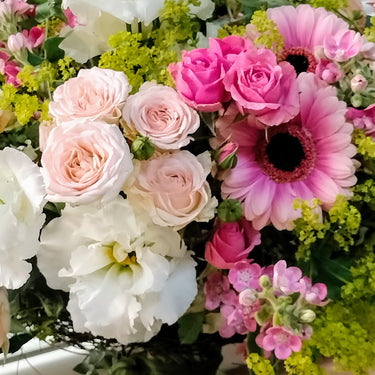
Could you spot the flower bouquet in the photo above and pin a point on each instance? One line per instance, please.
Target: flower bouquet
(180, 175)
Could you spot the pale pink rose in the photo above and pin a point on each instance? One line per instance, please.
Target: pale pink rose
(262, 87)
(172, 187)
(4, 318)
(158, 112)
(95, 94)
(231, 243)
(45, 128)
(199, 79)
(85, 161)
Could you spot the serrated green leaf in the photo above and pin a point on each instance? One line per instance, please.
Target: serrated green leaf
(190, 325)
(81, 368)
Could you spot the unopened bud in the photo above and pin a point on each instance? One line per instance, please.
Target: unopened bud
(229, 210)
(307, 316)
(248, 297)
(356, 100)
(142, 148)
(358, 83)
(265, 282)
(226, 156)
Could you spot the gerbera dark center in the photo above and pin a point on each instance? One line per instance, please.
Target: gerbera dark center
(285, 152)
(300, 63)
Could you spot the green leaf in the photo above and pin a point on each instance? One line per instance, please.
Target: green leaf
(34, 59)
(327, 268)
(48, 9)
(190, 325)
(82, 368)
(53, 52)
(17, 341)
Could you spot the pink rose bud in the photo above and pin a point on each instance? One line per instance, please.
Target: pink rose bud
(232, 243)
(358, 83)
(248, 297)
(329, 71)
(35, 37)
(226, 156)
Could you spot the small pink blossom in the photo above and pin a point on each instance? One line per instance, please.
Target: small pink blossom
(71, 17)
(11, 71)
(245, 275)
(328, 71)
(248, 297)
(16, 42)
(234, 321)
(313, 293)
(343, 45)
(231, 243)
(34, 38)
(363, 119)
(280, 340)
(217, 290)
(286, 279)
(262, 87)
(199, 79)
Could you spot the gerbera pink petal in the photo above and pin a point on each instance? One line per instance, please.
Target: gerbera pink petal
(323, 186)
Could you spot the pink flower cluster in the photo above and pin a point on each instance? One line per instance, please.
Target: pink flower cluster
(251, 295)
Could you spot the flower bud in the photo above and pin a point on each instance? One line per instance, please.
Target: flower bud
(356, 100)
(226, 156)
(229, 210)
(265, 282)
(358, 83)
(307, 316)
(16, 42)
(248, 297)
(142, 148)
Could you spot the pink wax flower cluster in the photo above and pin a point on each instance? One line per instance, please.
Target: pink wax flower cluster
(232, 70)
(278, 299)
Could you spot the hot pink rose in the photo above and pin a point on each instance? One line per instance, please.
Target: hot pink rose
(230, 47)
(94, 94)
(231, 243)
(199, 79)
(261, 86)
(158, 112)
(172, 187)
(85, 161)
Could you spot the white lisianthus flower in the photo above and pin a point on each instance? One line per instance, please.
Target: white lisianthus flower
(126, 276)
(22, 195)
(97, 20)
(204, 10)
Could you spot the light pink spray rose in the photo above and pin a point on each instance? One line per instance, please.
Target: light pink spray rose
(199, 79)
(94, 94)
(172, 187)
(158, 112)
(262, 87)
(231, 243)
(363, 119)
(84, 161)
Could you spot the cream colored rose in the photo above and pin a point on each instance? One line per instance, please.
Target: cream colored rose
(157, 112)
(173, 189)
(85, 161)
(94, 94)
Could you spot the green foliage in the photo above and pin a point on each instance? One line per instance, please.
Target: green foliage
(332, 5)
(190, 326)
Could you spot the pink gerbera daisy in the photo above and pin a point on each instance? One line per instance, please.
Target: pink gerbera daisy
(307, 157)
(306, 28)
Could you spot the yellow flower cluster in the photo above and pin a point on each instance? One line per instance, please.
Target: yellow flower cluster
(259, 365)
(227, 30)
(302, 363)
(270, 36)
(365, 144)
(332, 5)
